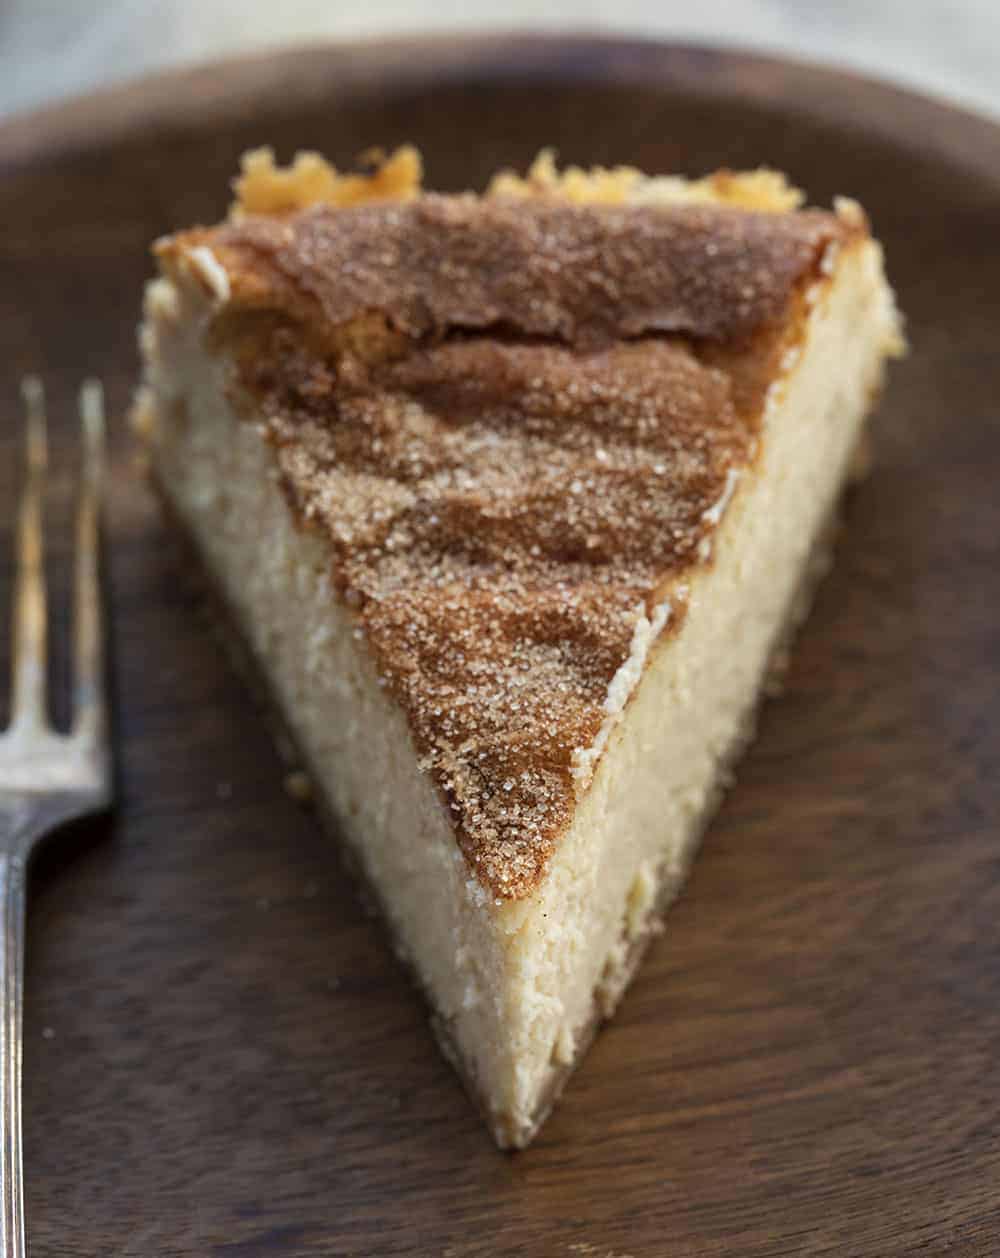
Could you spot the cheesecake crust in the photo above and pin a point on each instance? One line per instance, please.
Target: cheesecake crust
(517, 422)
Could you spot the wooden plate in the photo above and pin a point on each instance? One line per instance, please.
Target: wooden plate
(221, 1056)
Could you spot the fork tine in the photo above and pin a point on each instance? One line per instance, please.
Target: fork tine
(29, 656)
(88, 638)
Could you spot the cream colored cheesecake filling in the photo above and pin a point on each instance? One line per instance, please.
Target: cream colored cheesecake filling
(514, 983)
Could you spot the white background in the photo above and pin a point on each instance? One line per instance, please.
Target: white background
(53, 48)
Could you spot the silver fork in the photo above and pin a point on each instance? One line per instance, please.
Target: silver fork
(46, 778)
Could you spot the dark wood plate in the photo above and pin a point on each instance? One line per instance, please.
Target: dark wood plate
(221, 1056)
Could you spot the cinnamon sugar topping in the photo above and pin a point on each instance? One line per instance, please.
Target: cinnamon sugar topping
(513, 464)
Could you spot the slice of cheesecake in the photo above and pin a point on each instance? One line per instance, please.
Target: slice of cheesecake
(513, 499)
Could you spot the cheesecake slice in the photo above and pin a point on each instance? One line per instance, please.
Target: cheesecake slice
(514, 499)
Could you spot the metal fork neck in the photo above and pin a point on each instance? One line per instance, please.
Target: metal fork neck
(12, 899)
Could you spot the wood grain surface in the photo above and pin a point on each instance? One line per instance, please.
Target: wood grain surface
(222, 1057)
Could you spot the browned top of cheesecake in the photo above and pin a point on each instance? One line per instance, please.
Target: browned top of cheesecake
(579, 274)
(514, 421)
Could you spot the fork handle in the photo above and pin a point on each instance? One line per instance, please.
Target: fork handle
(12, 898)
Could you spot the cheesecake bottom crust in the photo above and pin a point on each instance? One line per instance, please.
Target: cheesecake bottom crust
(509, 1132)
